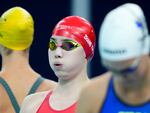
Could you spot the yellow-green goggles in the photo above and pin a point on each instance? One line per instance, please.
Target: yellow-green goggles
(67, 44)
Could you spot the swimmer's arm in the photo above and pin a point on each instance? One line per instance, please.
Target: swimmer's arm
(32, 102)
(25, 105)
(93, 94)
(84, 104)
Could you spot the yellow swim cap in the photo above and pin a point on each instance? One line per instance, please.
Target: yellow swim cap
(16, 29)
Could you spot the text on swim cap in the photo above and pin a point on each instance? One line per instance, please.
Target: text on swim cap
(114, 51)
(68, 27)
(65, 27)
(88, 42)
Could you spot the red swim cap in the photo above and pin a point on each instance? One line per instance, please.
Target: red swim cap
(79, 29)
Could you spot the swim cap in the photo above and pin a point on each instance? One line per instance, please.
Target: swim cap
(124, 34)
(79, 29)
(16, 29)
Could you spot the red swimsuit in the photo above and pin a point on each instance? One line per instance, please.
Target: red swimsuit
(46, 108)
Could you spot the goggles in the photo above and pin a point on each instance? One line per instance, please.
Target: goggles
(67, 44)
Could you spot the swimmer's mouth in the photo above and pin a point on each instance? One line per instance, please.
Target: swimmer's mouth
(58, 65)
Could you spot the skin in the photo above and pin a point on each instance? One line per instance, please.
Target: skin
(17, 72)
(72, 75)
(131, 88)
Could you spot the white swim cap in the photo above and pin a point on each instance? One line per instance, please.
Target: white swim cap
(124, 34)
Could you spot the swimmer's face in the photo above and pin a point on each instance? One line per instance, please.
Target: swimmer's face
(66, 63)
(121, 67)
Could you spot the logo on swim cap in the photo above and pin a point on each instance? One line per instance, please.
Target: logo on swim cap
(139, 24)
